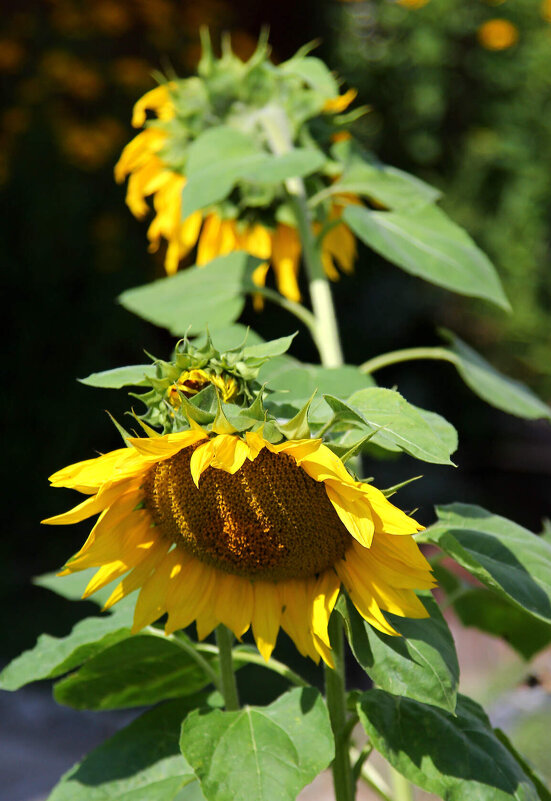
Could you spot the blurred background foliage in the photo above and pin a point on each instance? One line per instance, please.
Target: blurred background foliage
(459, 94)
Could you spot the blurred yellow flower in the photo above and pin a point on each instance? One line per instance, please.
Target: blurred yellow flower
(497, 34)
(413, 4)
(546, 10)
(214, 236)
(12, 55)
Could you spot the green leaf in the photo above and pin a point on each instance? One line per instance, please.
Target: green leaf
(260, 753)
(388, 186)
(72, 586)
(196, 298)
(314, 72)
(141, 670)
(293, 383)
(231, 336)
(426, 243)
(421, 664)
(222, 156)
(458, 758)
(135, 375)
(268, 350)
(495, 615)
(142, 762)
(53, 656)
(539, 782)
(404, 426)
(492, 386)
(504, 556)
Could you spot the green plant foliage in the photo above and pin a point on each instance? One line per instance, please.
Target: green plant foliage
(457, 757)
(138, 671)
(142, 762)
(504, 556)
(53, 656)
(492, 386)
(259, 753)
(196, 299)
(491, 613)
(426, 243)
(402, 425)
(421, 664)
(220, 157)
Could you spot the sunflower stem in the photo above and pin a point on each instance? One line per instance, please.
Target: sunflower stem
(224, 640)
(407, 355)
(336, 702)
(276, 126)
(403, 791)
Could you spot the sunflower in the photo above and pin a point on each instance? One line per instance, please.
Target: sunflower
(223, 529)
(141, 160)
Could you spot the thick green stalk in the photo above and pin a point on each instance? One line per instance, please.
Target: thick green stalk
(336, 702)
(403, 791)
(228, 686)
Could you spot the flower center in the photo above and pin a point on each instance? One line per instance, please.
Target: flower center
(269, 520)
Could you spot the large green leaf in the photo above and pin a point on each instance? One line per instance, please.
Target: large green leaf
(141, 670)
(53, 656)
(73, 585)
(421, 664)
(222, 156)
(495, 615)
(293, 383)
(404, 427)
(493, 387)
(134, 375)
(142, 762)
(426, 243)
(458, 758)
(388, 186)
(260, 753)
(196, 298)
(504, 556)
(539, 782)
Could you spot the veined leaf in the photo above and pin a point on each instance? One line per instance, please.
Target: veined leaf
(504, 556)
(142, 762)
(495, 615)
(141, 670)
(403, 425)
(134, 375)
(456, 757)
(53, 656)
(222, 156)
(260, 753)
(421, 664)
(492, 386)
(196, 298)
(426, 243)
(388, 186)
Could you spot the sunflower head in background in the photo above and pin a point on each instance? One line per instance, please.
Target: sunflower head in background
(235, 517)
(216, 121)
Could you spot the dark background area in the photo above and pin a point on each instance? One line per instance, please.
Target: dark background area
(471, 118)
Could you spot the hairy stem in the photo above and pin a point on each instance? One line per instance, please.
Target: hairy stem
(228, 686)
(407, 355)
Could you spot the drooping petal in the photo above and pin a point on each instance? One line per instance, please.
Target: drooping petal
(266, 616)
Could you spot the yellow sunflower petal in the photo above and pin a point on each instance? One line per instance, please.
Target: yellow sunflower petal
(233, 602)
(201, 459)
(139, 574)
(355, 518)
(208, 247)
(341, 102)
(266, 616)
(164, 447)
(151, 603)
(188, 593)
(325, 597)
(297, 597)
(286, 259)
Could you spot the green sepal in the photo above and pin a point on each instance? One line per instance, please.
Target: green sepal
(390, 491)
(298, 427)
(122, 431)
(195, 413)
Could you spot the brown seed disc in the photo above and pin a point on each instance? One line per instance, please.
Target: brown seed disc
(269, 520)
